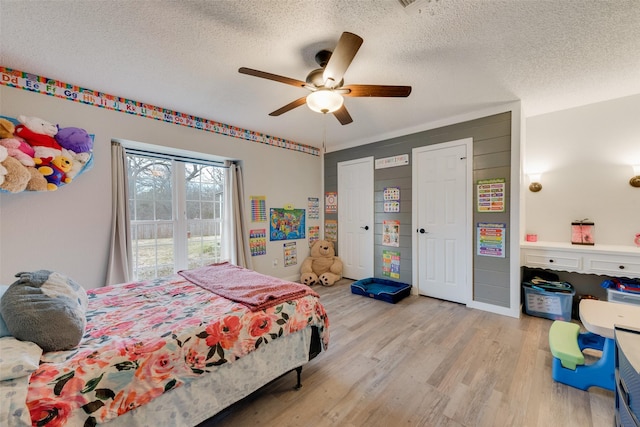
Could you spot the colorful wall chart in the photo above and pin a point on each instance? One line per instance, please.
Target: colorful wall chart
(391, 264)
(258, 209)
(491, 195)
(491, 239)
(290, 254)
(258, 242)
(391, 233)
(314, 234)
(391, 197)
(287, 224)
(331, 202)
(314, 208)
(331, 230)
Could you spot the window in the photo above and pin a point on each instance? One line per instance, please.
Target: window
(176, 210)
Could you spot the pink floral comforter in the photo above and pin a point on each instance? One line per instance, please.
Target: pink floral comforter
(143, 339)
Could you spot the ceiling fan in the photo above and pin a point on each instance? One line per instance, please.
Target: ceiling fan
(327, 85)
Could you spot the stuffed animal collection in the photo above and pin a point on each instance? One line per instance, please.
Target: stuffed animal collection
(36, 155)
(322, 265)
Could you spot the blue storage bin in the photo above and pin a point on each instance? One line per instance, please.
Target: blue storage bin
(550, 305)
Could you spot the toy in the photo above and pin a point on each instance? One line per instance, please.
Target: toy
(19, 149)
(322, 265)
(6, 128)
(55, 170)
(38, 126)
(17, 175)
(74, 139)
(37, 182)
(3, 170)
(80, 160)
(39, 134)
(43, 145)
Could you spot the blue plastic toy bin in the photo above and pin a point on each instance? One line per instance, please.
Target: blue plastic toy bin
(381, 289)
(550, 305)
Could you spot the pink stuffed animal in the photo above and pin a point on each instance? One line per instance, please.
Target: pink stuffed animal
(19, 149)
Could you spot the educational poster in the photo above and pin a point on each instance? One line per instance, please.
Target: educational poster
(258, 242)
(491, 239)
(287, 224)
(391, 196)
(390, 233)
(331, 202)
(314, 208)
(290, 254)
(314, 234)
(331, 230)
(491, 195)
(258, 209)
(391, 264)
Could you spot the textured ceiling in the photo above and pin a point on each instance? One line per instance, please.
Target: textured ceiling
(459, 56)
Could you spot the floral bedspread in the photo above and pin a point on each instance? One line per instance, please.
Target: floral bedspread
(145, 338)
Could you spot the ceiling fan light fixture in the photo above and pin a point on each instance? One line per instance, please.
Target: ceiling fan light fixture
(324, 101)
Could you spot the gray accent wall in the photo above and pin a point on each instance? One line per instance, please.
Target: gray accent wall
(491, 159)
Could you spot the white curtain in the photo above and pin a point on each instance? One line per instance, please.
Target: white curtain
(235, 230)
(119, 269)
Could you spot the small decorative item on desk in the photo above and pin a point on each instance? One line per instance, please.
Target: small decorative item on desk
(582, 232)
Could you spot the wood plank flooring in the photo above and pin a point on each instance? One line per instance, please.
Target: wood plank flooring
(423, 362)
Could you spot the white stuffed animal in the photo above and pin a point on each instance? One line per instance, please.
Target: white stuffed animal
(3, 155)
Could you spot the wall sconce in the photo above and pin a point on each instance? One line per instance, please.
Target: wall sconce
(635, 180)
(534, 182)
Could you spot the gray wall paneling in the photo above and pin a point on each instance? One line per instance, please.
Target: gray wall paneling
(491, 159)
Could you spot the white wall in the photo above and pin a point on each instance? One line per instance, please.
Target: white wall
(586, 156)
(68, 230)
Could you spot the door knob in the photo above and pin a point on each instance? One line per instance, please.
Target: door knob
(422, 231)
(366, 227)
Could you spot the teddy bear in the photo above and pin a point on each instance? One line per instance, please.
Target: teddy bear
(322, 265)
(17, 176)
(37, 182)
(39, 134)
(55, 170)
(19, 149)
(6, 128)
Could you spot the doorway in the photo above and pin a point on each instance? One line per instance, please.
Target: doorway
(355, 217)
(442, 243)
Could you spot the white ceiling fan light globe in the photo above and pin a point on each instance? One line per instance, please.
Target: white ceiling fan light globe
(324, 101)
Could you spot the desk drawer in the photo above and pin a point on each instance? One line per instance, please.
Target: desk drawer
(552, 260)
(612, 265)
(624, 417)
(628, 383)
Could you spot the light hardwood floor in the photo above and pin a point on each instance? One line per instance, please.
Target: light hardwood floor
(423, 362)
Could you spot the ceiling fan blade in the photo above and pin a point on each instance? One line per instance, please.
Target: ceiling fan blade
(274, 77)
(377, 90)
(343, 115)
(341, 58)
(290, 106)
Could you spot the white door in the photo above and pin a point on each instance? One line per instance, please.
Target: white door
(355, 217)
(440, 214)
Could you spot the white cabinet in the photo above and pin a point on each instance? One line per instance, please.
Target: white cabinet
(616, 261)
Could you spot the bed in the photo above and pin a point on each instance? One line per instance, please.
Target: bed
(170, 351)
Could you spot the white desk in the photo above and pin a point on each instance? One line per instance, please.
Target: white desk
(600, 317)
(608, 260)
